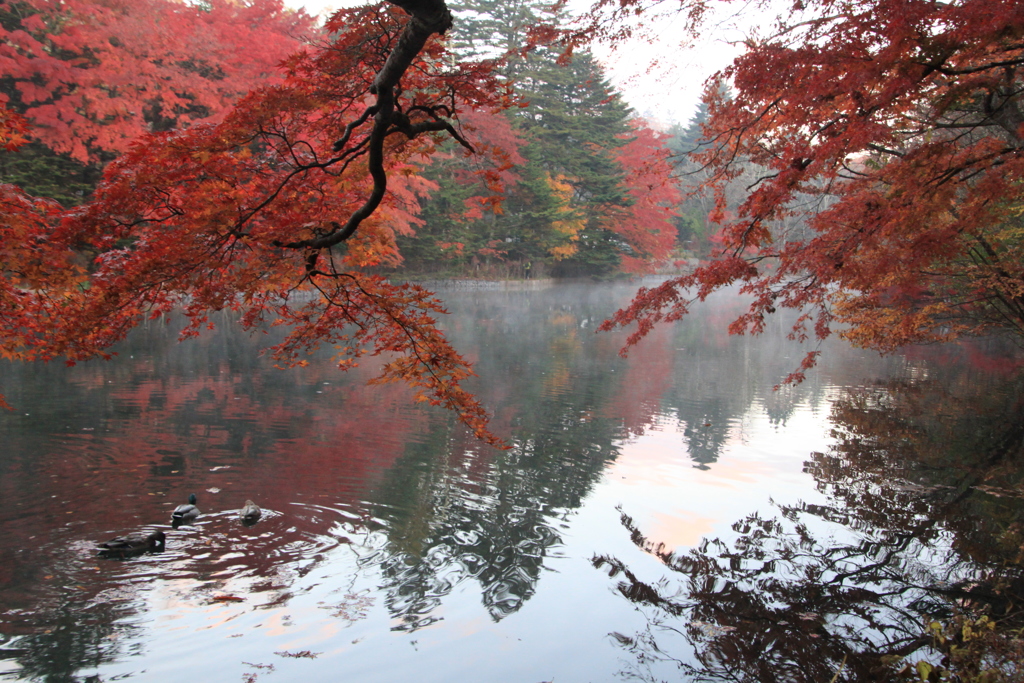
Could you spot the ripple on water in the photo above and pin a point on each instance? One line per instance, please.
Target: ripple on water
(215, 558)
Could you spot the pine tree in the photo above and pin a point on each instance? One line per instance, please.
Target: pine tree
(564, 210)
(494, 29)
(574, 123)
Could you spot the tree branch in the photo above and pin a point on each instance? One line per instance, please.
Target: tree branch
(427, 17)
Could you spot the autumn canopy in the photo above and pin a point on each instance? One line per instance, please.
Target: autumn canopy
(888, 131)
(881, 146)
(249, 210)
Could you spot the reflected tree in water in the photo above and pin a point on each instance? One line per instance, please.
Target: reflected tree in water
(454, 519)
(913, 566)
(405, 493)
(81, 631)
(718, 377)
(454, 513)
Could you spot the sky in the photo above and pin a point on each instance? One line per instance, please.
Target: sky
(661, 78)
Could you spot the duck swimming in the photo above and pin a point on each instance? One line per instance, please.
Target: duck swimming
(132, 544)
(185, 513)
(249, 513)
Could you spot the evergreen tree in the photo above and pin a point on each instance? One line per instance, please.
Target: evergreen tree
(686, 140)
(494, 29)
(561, 213)
(44, 173)
(693, 227)
(574, 123)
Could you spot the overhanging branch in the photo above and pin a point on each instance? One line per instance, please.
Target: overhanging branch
(426, 17)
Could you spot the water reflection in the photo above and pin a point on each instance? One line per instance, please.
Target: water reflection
(498, 529)
(374, 510)
(924, 522)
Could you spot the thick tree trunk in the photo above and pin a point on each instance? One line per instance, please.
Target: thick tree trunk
(427, 17)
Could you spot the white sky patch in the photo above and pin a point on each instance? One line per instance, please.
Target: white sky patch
(323, 8)
(663, 71)
(662, 77)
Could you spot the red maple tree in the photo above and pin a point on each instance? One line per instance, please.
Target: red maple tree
(274, 211)
(646, 224)
(93, 75)
(893, 130)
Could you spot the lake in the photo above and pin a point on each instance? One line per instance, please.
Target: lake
(666, 516)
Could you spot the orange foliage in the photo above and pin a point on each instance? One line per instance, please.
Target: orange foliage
(570, 222)
(13, 127)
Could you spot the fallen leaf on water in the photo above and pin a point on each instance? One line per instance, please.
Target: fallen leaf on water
(304, 653)
(711, 630)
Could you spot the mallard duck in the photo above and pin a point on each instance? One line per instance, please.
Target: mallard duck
(135, 543)
(249, 513)
(185, 513)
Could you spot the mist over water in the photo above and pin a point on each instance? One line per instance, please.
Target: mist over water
(393, 546)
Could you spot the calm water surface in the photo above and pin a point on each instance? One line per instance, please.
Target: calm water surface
(665, 517)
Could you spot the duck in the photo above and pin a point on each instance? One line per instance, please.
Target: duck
(135, 543)
(185, 513)
(249, 513)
